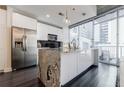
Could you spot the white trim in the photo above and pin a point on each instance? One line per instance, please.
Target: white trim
(8, 69)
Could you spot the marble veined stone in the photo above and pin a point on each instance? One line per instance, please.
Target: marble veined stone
(49, 67)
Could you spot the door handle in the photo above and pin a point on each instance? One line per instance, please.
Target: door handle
(25, 43)
(23, 46)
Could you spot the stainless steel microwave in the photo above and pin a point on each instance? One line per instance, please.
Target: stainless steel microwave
(52, 37)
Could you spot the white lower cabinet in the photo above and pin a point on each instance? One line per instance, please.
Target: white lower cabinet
(84, 61)
(81, 63)
(64, 72)
(74, 63)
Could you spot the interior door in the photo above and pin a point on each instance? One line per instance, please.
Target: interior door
(30, 48)
(17, 48)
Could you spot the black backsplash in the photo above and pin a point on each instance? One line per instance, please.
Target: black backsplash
(49, 44)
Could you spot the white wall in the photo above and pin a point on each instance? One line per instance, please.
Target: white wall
(5, 41)
(2, 36)
(43, 30)
(7, 65)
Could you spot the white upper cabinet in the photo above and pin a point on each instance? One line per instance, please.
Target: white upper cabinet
(22, 21)
(43, 30)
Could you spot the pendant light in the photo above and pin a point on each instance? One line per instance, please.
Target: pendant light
(66, 19)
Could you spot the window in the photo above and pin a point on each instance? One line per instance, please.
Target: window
(105, 36)
(121, 33)
(105, 30)
(74, 37)
(106, 17)
(85, 35)
(81, 35)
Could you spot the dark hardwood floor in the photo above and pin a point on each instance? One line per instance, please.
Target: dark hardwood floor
(103, 76)
(22, 78)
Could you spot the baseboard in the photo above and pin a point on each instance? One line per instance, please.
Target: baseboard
(7, 70)
(77, 77)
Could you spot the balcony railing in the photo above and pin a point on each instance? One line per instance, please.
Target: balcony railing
(111, 51)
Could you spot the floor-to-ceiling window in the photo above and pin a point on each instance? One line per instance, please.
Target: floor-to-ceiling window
(121, 33)
(74, 37)
(81, 36)
(105, 30)
(85, 35)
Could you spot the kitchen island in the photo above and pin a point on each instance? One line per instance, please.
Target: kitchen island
(71, 64)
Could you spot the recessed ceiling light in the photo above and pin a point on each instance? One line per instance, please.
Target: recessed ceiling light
(47, 15)
(61, 14)
(83, 14)
(73, 9)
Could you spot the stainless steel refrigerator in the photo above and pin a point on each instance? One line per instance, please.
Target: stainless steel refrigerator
(24, 48)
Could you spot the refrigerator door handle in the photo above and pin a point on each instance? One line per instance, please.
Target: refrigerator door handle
(24, 43)
(25, 37)
(23, 47)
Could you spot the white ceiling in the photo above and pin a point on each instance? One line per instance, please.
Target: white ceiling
(40, 11)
